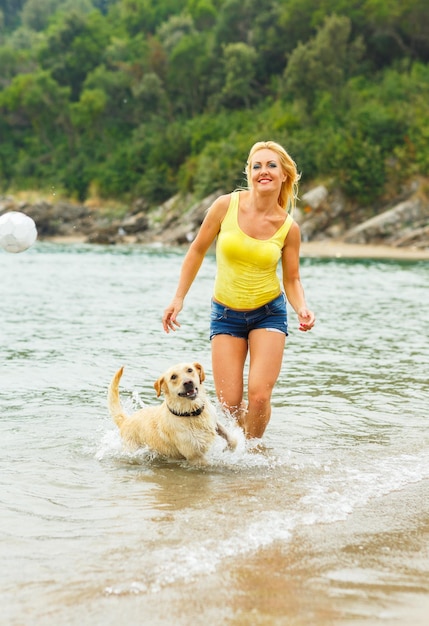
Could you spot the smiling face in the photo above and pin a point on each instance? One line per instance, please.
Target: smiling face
(265, 171)
(280, 169)
(181, 381)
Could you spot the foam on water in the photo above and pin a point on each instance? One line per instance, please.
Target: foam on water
(331, 500)
(330, 492)
(245, 455)
(183, 563)
(338, 493)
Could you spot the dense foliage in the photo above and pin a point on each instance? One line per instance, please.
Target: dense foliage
(126, 98)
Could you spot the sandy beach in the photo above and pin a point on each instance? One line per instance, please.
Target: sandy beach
(338, 249)
(323, 249)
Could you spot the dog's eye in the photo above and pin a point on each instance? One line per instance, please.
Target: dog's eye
(190, 370)
(173, 376)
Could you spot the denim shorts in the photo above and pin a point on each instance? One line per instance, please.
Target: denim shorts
(225, 321)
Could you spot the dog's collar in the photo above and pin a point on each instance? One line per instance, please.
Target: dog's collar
(194, 413)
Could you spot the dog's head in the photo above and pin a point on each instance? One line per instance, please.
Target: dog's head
(183, 380)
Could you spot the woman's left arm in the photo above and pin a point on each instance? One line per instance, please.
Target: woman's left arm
(292, 281)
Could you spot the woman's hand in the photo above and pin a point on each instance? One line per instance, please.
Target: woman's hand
(306, 319)
(169, 319)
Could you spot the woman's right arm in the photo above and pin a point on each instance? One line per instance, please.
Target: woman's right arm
(194, 258)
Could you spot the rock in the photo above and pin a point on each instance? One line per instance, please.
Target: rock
(7, 203)
(417, 238)
(391, 225)
(181, 228)
(322, 214)
(320, 209)
(60, 219)
(107, 235)
(315, 197)
(135, 223)
(335, 231)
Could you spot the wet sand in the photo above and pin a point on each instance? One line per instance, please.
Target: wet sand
(369, 570)
(338, 249)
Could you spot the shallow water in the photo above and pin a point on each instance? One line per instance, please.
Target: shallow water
(327, 523)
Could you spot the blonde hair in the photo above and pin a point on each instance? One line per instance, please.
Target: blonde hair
(289, 189)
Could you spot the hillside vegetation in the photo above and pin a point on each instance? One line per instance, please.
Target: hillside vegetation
(150, 98)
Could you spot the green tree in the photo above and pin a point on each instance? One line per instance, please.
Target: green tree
(240, 66)
(234, 21)
(36, 14)
(74, 46)
(86, 113)
(203, 13)
(145, 15)
(34, 110)
(188, 74)
(10, 10)
(400, 27)
(358, 165)
(325, 62)
(150, 97)
(267, 36)
(36, 101)
(116, 85)
(12, 62)
(172, 30)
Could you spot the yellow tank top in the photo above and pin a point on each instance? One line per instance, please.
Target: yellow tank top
(246, 275)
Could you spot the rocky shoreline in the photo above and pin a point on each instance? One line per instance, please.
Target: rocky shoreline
(331, 226)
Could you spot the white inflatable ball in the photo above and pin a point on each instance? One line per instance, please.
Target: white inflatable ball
(17, 231)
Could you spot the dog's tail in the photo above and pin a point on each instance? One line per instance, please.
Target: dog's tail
(113, 401)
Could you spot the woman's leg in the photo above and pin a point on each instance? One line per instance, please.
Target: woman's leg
(228, 358)
(266, 349)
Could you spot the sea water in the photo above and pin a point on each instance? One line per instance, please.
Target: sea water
(325, 522)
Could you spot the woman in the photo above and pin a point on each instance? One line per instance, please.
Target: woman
(254, 231)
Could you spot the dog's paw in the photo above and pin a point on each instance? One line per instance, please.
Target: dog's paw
(198, 461)
(232, 443)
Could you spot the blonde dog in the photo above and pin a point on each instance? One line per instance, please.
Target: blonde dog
(184, 426)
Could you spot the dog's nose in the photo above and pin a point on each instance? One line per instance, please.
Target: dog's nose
(188, 385)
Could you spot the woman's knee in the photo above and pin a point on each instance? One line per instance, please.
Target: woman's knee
(260, 395)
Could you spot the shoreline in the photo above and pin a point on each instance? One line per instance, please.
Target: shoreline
(314, 249)
(341, 250)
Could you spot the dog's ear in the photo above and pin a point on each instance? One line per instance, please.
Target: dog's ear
(158, 386)
(200, 371)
